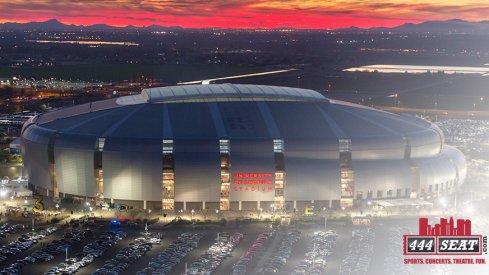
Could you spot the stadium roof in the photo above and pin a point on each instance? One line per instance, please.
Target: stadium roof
(223, 92)
(237, 112)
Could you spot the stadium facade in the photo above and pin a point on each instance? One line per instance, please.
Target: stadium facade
(236, 147)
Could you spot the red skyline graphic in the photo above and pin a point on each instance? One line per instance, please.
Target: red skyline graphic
(446, 227)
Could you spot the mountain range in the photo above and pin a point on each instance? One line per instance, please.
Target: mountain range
(453, 26)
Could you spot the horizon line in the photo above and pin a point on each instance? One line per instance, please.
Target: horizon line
(239, 28)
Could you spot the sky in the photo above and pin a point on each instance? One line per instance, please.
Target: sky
(324, 14)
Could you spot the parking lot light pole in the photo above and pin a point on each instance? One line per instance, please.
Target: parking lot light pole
(66, 254)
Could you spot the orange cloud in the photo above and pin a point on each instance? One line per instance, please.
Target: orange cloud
(244, 13)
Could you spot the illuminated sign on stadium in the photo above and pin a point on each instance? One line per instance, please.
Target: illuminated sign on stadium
(253, 182)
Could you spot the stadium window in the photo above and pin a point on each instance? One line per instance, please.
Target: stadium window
(370, 194)
(167, 146)
(100, 144)
(224, 146)
(398, 193)
(278, 145)
(345, 145)
(379, 193)
(389, 193)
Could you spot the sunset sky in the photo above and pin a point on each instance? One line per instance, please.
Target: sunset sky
(244, 13)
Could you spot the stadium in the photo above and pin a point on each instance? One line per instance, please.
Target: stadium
(236, 147)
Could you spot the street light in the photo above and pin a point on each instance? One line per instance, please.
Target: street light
(57, 206)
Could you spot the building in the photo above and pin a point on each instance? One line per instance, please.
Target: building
(236, 147)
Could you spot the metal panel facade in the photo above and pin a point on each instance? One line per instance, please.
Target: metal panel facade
(74, 171)
(197, 170)
(312, 170)
(381, 175)
(37, 164)
(132, 170)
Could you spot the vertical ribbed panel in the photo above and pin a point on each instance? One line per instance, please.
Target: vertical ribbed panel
(74, 171)
(312, 169)
(381, 175)
(134, 174)
(36, 165)
(197, 170)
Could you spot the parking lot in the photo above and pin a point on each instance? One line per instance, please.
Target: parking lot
(128, 249)
(253, 248)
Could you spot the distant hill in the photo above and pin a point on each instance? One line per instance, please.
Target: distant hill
(452, 26)
(445, 27)
(52, 24)
(55, 25)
